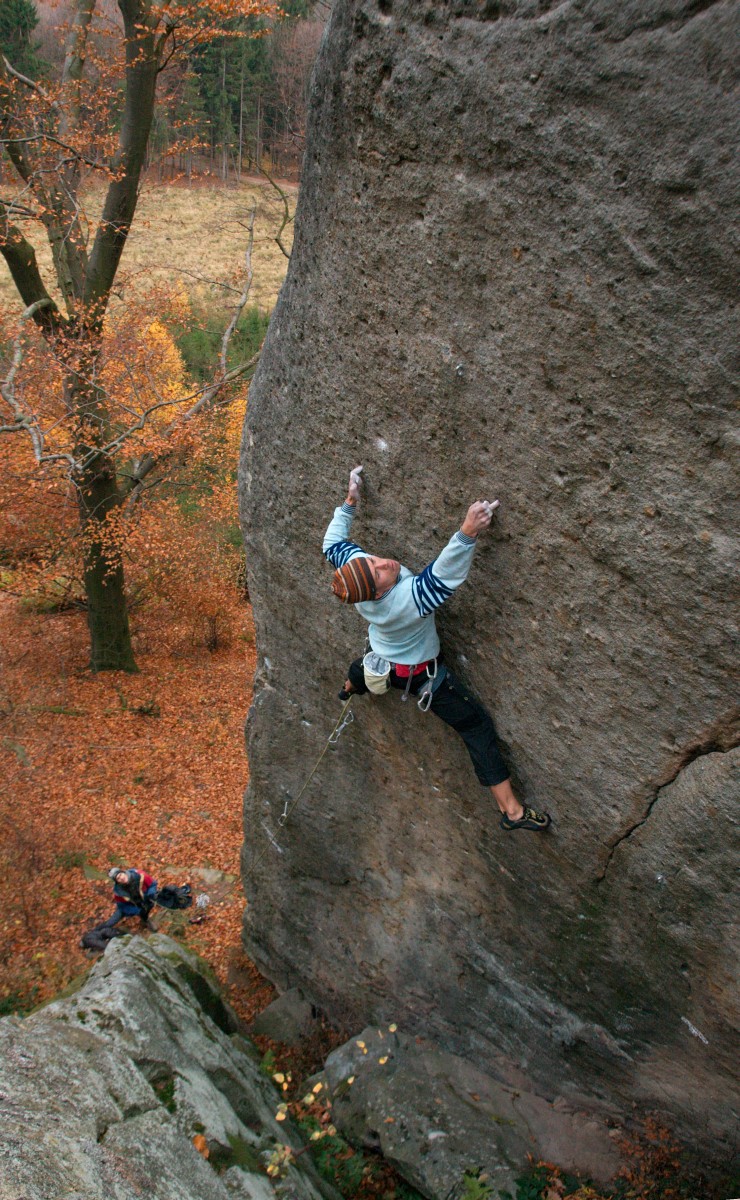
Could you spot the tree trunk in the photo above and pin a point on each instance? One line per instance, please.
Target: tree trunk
(99, 501)
(223, 102)
(241, 119)
(258, 138)
(107, 610)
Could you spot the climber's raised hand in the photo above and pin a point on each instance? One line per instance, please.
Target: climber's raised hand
(355, 485)
(478, 517)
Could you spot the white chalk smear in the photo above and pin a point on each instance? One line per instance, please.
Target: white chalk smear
(696, 1032)
(273, 841)
(381, 443)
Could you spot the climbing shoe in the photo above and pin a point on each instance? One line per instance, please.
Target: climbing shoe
(530, 819)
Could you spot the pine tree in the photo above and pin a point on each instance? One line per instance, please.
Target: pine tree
(18, 20)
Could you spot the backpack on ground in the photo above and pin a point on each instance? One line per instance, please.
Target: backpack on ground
(174, 897)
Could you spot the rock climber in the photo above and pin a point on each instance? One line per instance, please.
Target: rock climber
(134, 893)
(399, 608)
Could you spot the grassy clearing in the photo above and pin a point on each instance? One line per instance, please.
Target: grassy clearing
(188, 234)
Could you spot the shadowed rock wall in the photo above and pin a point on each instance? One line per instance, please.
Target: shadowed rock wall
(512, 276)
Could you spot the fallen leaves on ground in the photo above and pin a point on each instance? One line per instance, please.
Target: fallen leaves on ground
(144, 770)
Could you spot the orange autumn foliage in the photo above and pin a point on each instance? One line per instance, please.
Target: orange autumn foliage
(146, 770)
(149, 769)
(102, 406)
(185, 527)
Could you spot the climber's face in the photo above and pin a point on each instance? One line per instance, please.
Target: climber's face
(385, 573)
(122, 877)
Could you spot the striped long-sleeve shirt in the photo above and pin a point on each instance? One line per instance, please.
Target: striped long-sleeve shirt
(401, 623)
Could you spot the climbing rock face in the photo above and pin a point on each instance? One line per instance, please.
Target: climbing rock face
(288, 1020)
(512, 277)
(109, 1093)
(435, 1116)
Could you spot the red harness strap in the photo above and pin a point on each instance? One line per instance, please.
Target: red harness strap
(403, 670)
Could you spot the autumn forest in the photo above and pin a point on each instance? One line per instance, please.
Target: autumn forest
(149, 178)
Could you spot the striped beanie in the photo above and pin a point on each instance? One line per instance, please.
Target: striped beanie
(354, 581)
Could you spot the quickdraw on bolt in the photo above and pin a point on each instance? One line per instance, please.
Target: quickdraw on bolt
(339, 730)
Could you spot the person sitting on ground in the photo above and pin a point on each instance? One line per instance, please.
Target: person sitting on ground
(399, 608)
(133, 892)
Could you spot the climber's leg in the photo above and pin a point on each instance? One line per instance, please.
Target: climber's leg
(355, 681)
(457, 707)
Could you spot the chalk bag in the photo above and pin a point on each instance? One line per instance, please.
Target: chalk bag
(377, 672)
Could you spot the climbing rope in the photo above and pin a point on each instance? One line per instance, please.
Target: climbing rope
(332, 740)
(346, 717)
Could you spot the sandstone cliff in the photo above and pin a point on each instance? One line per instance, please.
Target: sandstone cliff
(512, 276)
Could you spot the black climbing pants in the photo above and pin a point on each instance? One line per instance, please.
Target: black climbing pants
(454, 704)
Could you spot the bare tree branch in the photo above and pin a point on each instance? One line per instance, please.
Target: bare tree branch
(57, 214)
(287, 218)
(15, 149)
(74, 64)
(25, 420)
(13, 208)
(239, 307)
(30, 83)
(74, 57)
(20, 256)
(76, 154)
(65, 232)
(227, 287)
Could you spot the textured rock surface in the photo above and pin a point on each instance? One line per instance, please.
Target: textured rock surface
(435, 1116)
(512, 275)
(288, 1019)
(102, 1093)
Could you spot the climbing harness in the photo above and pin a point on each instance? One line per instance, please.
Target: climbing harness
(426, 692)
(346, 717)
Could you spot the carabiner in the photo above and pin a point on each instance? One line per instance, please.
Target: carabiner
(335, 736)
(426, 693)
